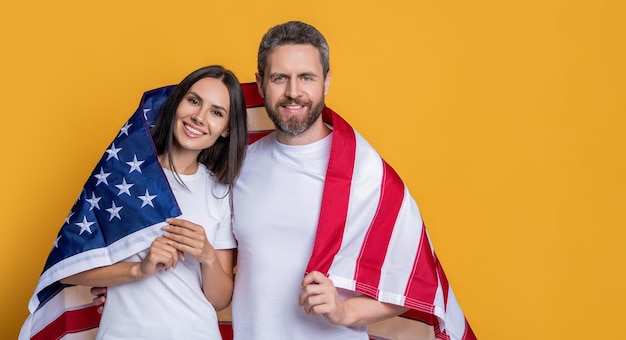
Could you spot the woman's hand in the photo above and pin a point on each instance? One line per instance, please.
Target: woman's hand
(190, 238)
(161, 256)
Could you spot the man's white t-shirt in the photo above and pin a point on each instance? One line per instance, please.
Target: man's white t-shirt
(171, 304)
(277, 201)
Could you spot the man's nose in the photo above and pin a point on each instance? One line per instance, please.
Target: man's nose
(293, 89)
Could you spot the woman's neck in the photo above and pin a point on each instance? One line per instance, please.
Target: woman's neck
(184, 163)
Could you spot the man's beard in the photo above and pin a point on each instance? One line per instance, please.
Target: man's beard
(295, 125)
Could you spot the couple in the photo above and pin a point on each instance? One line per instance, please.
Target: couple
(324, 247)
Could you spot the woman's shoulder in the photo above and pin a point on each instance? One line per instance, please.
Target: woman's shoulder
(212, 183)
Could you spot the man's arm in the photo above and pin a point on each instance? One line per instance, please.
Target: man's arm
(319, 297)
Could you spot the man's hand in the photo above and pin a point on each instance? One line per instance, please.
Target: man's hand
(100, 293)
(319, 297)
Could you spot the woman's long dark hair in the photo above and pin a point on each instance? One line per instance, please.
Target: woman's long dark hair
(225, 157)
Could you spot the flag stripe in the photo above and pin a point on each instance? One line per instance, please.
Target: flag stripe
(71, 321)
(251, 95)
(423, 284)
(335, 197)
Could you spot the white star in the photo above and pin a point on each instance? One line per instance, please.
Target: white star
(84, 225)
(147, 199)
(114, 211)
(124, 130)
(134, 165)
(67, 219)
(102, 177)
(112, 151)
(93, 201)
(124, 187)
(56, 242)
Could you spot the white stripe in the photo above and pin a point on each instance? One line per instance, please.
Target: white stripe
(455, 319)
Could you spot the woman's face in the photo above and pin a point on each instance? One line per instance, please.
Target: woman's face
(202, 116)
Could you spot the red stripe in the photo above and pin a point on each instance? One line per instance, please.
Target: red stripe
(226, 329)
(374, 248)
(422, 286)
(251, 95)
(334, 209)
(72, 321)
(469, 333)
(253, 136)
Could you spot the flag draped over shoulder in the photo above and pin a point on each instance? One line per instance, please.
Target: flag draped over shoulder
(371, 238)
(119, 212)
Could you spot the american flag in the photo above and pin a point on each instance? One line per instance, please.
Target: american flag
(122, 186)
(118, 213)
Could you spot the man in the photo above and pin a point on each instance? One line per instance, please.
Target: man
(279, 215)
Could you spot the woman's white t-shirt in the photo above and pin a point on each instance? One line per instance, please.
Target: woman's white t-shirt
(171, 304)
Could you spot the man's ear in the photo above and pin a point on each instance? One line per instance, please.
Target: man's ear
(327, 82)
(259, 84)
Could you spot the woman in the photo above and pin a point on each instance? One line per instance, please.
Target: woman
(173, 289)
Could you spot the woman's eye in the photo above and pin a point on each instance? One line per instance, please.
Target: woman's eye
(193, 101)
(218, 113)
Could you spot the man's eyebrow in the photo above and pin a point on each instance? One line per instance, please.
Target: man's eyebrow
(303, 74)
(275, 74)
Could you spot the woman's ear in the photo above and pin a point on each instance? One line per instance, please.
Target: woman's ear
(225, 133)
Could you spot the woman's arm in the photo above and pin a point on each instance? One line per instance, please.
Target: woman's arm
(217, 279)
(161, 256)
(216, 265)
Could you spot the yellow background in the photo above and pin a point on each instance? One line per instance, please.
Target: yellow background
(505, 119)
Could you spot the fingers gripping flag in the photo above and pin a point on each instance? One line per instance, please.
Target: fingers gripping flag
(119, 212)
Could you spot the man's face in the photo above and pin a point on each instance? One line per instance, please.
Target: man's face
(294, 87)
